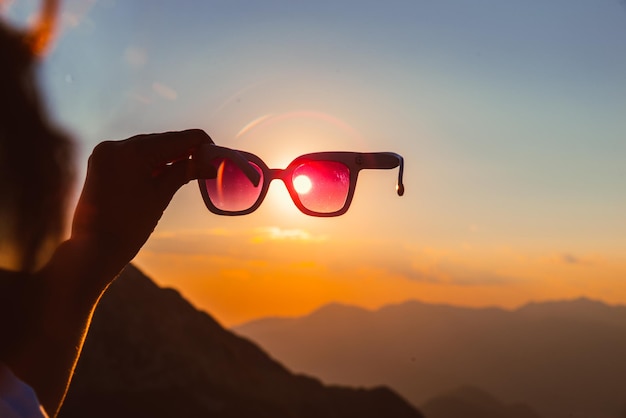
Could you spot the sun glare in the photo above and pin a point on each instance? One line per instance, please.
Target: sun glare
(302, 184)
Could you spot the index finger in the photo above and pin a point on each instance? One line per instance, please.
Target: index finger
(166, 147)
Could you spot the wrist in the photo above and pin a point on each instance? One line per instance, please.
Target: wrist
(82, 269)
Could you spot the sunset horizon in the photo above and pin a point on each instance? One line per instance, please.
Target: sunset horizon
(292, 272)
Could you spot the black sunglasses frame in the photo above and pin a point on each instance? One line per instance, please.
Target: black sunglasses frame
(355, 161)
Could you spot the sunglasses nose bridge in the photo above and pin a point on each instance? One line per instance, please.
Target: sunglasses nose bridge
(283, 175)
(279, 174)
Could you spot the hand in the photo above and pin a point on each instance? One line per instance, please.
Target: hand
(128, 186)
(130, 183)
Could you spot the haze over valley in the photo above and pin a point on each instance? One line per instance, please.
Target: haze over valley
(563, 359)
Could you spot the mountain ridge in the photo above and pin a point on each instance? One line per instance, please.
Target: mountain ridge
(472, 402)
(555, 305)
(150, 353)
(563, 358)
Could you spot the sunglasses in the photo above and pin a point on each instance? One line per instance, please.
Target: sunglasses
(320, 184)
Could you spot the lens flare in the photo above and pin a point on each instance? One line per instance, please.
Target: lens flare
(302, 184)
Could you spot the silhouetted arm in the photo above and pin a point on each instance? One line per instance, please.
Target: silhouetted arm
(128, 186)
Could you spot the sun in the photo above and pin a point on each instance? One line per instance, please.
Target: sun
(302, 184)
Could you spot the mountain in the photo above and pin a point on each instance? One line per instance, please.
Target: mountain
(563, 359)
(582, 309)
(470, 402)
(150, 353)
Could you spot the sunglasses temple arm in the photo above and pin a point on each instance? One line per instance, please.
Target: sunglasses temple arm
(385, 160)
(400, 185)
(209, 152)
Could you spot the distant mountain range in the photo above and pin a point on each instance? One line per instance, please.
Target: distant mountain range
(149, 353)
(471, 402)
(560, 359)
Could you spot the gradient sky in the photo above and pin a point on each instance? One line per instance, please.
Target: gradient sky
(509, 114)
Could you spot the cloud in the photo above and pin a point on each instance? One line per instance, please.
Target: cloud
(186, 233)
(274, 233)
(138, 97)
(164, 91)
(450, 274)
(569, 259)
(436, 266)
(229, 242)
(202, 242)
(71, 20)
(75, 13)
(135, 57)
(300, 249)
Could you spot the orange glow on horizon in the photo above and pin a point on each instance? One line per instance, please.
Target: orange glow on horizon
(292, 274)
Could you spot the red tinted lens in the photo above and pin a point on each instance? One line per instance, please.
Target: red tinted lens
(231, 190)
(322, 185)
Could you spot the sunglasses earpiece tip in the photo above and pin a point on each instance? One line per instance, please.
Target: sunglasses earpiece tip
(400, 189)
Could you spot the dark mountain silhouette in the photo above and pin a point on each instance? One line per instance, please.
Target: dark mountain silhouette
(470, 402)
(149, 353)
(564, 359)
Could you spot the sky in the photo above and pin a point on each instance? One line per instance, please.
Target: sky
(509, 116)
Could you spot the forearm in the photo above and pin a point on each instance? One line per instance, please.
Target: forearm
(59, 300)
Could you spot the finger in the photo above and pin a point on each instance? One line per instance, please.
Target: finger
(206, 153)
(167, 147)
